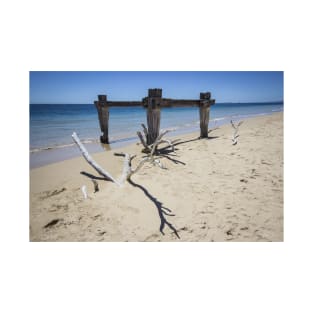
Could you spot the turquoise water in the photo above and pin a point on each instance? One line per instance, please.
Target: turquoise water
(51, 125)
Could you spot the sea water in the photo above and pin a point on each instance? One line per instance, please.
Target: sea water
(51, 125)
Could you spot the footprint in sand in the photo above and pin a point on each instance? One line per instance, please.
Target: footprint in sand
(48, 194)
(101, 232)
(58, 207)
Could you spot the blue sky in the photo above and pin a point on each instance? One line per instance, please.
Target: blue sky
(83, 87)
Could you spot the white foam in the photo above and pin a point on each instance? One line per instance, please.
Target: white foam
(62, 146)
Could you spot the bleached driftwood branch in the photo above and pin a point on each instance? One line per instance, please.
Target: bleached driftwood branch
(84, 192)
(158, 141)
(145, 131)
(151, 157)
(143, 142)
(91, 161)
(127, 171)
(235, 127)
(170, 143)
(127, 168)
(152, 149)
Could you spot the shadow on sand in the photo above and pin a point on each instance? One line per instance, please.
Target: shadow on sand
(186, 141)
(166, 151)
(93, 176)
(161, 209)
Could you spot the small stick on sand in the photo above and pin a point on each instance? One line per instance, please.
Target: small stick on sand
(84, 191)
(235, 135)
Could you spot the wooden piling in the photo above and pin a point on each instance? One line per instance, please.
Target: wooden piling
(204, 111)
(153, 104)
(103, 115)
(153, 114)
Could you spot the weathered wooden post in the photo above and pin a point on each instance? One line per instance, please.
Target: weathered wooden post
(103, 115)
(153, 114)
(204, 110)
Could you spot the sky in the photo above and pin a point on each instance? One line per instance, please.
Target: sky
(83, 87)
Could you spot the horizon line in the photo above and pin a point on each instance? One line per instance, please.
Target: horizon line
(224, 102)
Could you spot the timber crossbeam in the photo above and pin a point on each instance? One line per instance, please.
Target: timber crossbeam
(165, 103)
(124, 103)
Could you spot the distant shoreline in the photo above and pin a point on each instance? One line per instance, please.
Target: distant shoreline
(253, 102)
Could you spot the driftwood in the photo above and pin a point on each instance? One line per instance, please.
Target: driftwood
(84, 191)
(145, 131)
(158, 141)
(152, 148)
(170, 144)
(127, 170)
(91, 161)
(151, 157)
(143, 142)
(235, 135)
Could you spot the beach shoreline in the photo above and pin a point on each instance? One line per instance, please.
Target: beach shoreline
(47, 155)
(211, 191)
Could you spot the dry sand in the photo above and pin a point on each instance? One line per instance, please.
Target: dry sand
(214, 191)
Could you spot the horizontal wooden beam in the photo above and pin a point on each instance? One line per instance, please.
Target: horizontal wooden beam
(179, 103)
(185, 103)
(124, 103)
(165, 103)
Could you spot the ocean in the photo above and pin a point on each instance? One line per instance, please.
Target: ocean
(51, 125)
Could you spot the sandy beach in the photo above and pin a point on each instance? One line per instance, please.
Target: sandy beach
(210, 190)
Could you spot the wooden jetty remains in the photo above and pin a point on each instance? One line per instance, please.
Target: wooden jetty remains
(153, 104)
